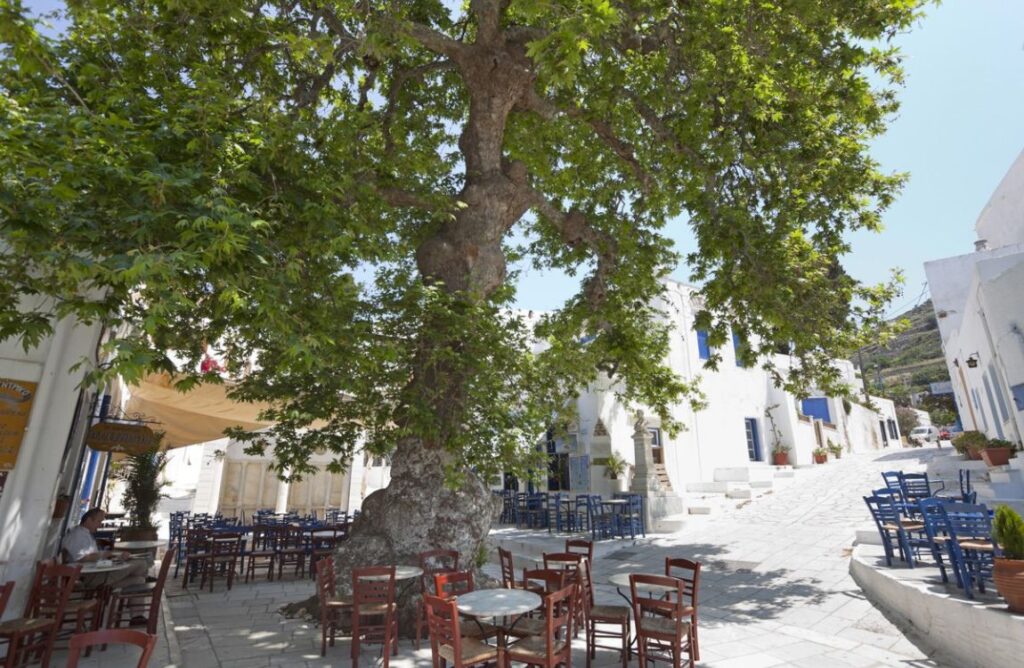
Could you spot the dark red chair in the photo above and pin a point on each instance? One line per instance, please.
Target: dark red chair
(432, 562)
(31, 637)
(331, 605)
(144, 641)
(374, 618)
(448, 645)
(553, 647)
(141, 600)
(689, 572)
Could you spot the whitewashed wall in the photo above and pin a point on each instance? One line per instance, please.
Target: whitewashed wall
(29, 494)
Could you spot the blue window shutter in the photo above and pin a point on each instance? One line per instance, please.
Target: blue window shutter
(737, 345)
(703, 349)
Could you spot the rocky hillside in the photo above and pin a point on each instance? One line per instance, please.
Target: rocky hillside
(910, 361)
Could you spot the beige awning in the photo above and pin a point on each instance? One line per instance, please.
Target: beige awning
(197, 416)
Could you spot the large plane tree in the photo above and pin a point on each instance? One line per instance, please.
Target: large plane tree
(337, 197)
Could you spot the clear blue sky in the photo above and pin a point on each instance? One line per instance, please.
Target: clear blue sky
(960, 127)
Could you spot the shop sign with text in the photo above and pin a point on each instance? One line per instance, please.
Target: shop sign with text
(15, 404)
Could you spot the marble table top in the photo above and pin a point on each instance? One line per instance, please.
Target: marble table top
(497, 602)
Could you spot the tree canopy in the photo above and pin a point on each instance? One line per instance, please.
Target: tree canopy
(341, 191)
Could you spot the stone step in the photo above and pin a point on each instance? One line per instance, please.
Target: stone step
(762, 484)
(670, 523)
(698, 509)
(744, 473)
(740, 493)
(784, 472)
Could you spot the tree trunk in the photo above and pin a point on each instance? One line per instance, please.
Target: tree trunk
(414, 513)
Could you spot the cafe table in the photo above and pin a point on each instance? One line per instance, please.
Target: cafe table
(621, 581)
(498, 604)
(138, 545)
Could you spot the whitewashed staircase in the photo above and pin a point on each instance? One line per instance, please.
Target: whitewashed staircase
(734, 486)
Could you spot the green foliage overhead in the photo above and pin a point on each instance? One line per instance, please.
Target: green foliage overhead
(1008, 531)
(332, 192)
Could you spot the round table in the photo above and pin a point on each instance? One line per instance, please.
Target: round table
(133, 545)
(95, 567)
(497, 602)
(622, 580)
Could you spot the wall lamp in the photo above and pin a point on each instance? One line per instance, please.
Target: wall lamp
(972, 361)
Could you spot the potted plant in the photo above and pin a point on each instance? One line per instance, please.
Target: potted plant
(141, 477)
(780, 454)
(997, 452)
(835, 449)
(970, 444)
(1008, 573)
(820, 455)
(615, 468)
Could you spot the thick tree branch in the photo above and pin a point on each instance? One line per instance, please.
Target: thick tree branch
(575, 229)
(548, 110)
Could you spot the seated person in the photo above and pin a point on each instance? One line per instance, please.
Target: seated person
(80, 546)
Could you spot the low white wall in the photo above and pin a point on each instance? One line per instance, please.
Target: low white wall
(970, 634)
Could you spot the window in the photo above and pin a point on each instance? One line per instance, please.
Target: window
(892, 429)
(703, 349)
(885, 436)
(656, 451)
(753, 441)
(739, 347)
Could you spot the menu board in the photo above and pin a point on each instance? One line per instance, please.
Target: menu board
(15, 405)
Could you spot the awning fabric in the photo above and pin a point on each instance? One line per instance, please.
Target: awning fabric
(192, 417)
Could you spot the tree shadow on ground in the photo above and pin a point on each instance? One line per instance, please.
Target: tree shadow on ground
(730, 588)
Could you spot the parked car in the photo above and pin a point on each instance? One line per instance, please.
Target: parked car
(944, 434)
(922, 435)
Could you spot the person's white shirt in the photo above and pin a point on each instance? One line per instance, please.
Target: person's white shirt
(80, 543)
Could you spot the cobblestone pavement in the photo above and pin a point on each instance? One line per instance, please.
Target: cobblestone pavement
(775, 589)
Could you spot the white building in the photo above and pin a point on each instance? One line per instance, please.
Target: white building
(979, 303)
(732, 437)
(43, 419)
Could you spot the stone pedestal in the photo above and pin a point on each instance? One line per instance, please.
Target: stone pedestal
(658, 503)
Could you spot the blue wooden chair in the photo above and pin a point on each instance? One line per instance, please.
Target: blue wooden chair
(581, 515)
(967, 492)
(970, 540)
(936, 527)
(916, 486)
(602, 523)
(631, 517)
(892, 479)
(887, 520)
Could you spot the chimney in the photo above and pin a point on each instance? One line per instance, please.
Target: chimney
(981, 244)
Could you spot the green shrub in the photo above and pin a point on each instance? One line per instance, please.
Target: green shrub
(1008, 531)
(1000, 443)
(835, 449)
(969, 440)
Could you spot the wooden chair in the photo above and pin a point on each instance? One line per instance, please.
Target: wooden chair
(602, 622)
(541, 581)
(448, 645)
(689, 572)
(263, 553)
(31, 637)
(197, 545)
(5, 595)
(580, 546)
(321, 545)
(565, 561)
(141, 600)
(224, 553)
(449, 586)
(553, 647)
(374, 618)
(662, 624)
(508, 570)
(432, 562)
(291, 550)
(144, 641)
(331, 605)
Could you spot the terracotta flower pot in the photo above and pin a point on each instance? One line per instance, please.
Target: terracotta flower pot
(820, 459)
(974, 455)
(1008, 576)
(780, 458)
(996, 456)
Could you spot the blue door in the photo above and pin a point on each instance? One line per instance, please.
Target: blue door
(753, 441)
